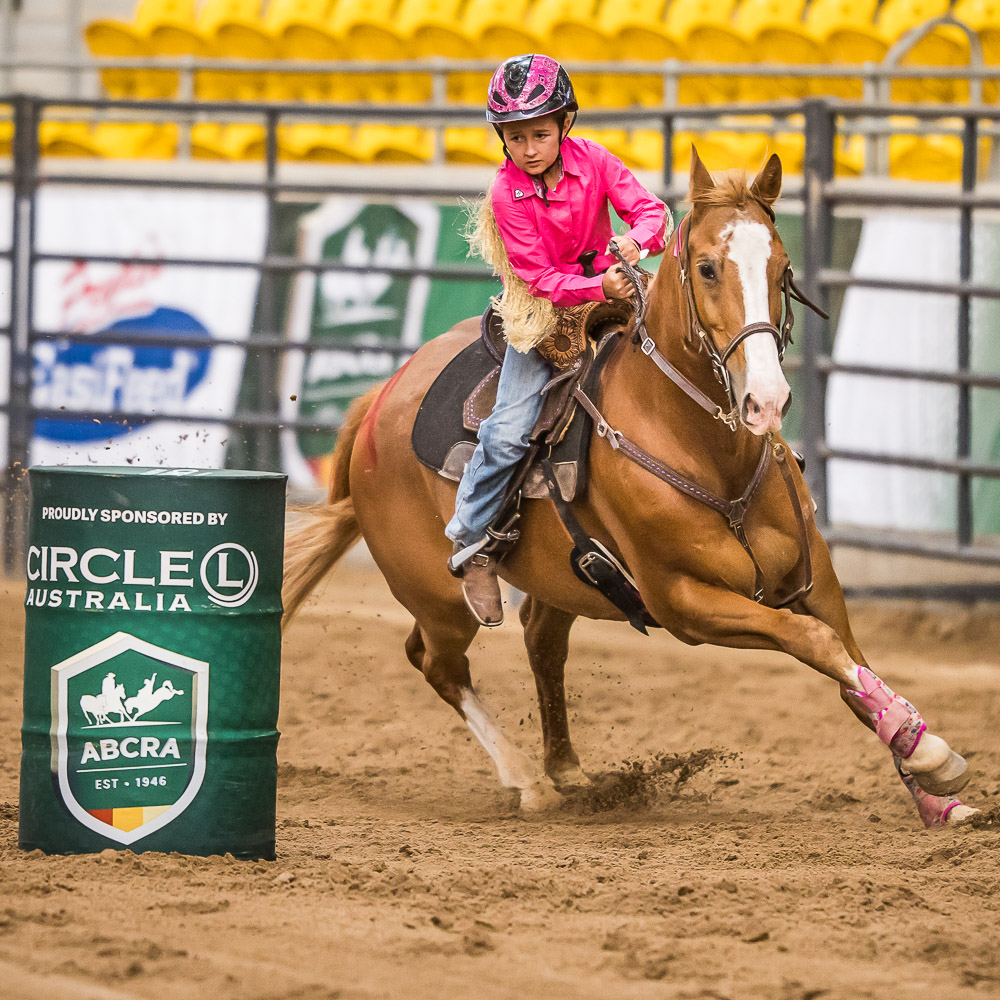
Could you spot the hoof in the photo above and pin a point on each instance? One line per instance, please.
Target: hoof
(960, 814)
(934, 810)
(947, 778)
(570, 779)
(540, 797)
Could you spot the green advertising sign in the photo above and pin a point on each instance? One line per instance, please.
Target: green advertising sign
(152, 648)
(365, 322)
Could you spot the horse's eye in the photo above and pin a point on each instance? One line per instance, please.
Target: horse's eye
(706, 271)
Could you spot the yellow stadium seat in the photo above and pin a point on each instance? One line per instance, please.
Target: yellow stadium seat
(646, 149)
(468, 88)
(849, 155)
(636, 30)
(983, 16)
(706, 33)
(230, 29)
(843, 29)
(6, 137)
(116, 39)
(394, 144)
(170, 29)
(245, 141)
(568, 29)
(722, 150)
(252, 142)
(302, 30)
(945, 46)
(432, 28)
(299, 29)
(234, 30)
(366, 27)
(926, 157)
(206, 142)
(299, 32)
(110, 37)
(66, 139)
(170, 26)
(134, 140)
(211, 141)
(322, 143)
(472, 146)
(775, 34)
(499, 28)
(613, 139)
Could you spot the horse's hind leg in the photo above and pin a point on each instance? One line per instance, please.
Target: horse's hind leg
(546, 637)
(438, 650)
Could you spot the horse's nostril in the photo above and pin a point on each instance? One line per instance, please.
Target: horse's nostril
(750, 405)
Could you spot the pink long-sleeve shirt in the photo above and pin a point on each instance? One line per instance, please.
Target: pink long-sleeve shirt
(543, 243)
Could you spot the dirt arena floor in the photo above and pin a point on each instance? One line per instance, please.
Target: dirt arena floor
(787, 864)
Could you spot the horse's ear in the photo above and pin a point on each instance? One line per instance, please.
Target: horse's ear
(767, 184)
(701, 179)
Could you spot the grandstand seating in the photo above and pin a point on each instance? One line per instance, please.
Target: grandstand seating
(766, 32)
(498, 28)
(842, 30)
(775, 34)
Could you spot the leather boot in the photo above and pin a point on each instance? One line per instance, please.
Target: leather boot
(481, 589)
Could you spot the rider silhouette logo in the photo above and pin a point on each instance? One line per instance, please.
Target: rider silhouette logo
(129, 734)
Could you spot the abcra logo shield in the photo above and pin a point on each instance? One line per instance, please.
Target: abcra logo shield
(129, 734)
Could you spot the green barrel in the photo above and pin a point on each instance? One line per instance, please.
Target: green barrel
(152, 661)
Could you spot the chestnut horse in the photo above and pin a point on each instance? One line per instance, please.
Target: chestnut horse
(695, 576)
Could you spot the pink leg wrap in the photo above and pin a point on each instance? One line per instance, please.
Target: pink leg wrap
(933, 809)
(897, 723)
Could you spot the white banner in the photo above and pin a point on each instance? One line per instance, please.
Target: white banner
(138, 299)
(909, 417)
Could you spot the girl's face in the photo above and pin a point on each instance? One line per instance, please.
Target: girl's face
(533, 145)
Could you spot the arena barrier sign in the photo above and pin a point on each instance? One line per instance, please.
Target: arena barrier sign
(151, 663)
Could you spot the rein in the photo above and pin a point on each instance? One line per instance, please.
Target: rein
(733, 510)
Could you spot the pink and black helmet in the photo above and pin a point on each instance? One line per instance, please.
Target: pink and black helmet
(528, 86)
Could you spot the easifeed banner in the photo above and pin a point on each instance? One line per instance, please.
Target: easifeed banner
(139, 299)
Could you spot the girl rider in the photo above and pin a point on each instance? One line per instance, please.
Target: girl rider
(550, 201)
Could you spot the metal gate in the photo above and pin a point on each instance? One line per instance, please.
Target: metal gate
(820, 195)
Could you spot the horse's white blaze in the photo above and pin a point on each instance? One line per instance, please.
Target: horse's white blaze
(750, 250)
(514, 766)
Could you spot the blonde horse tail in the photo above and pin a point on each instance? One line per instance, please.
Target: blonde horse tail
(314, 547)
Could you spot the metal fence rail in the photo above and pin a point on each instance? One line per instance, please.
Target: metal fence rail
(819, 195)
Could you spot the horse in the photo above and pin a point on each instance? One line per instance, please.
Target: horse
(718, 292)
(146, 699)
(100, 706)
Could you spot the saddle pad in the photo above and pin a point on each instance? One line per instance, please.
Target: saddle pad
(442, 442)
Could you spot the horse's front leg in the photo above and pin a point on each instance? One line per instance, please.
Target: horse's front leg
(546, 637)
(826, 603)
(698, 612)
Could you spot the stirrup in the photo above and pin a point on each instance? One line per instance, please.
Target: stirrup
(458, 558)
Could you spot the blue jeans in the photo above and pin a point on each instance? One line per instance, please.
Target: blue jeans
(503, 440)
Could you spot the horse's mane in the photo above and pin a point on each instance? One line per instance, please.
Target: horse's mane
(732, 190)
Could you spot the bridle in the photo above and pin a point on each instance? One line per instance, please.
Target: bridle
(696, 331)
(733, 510)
